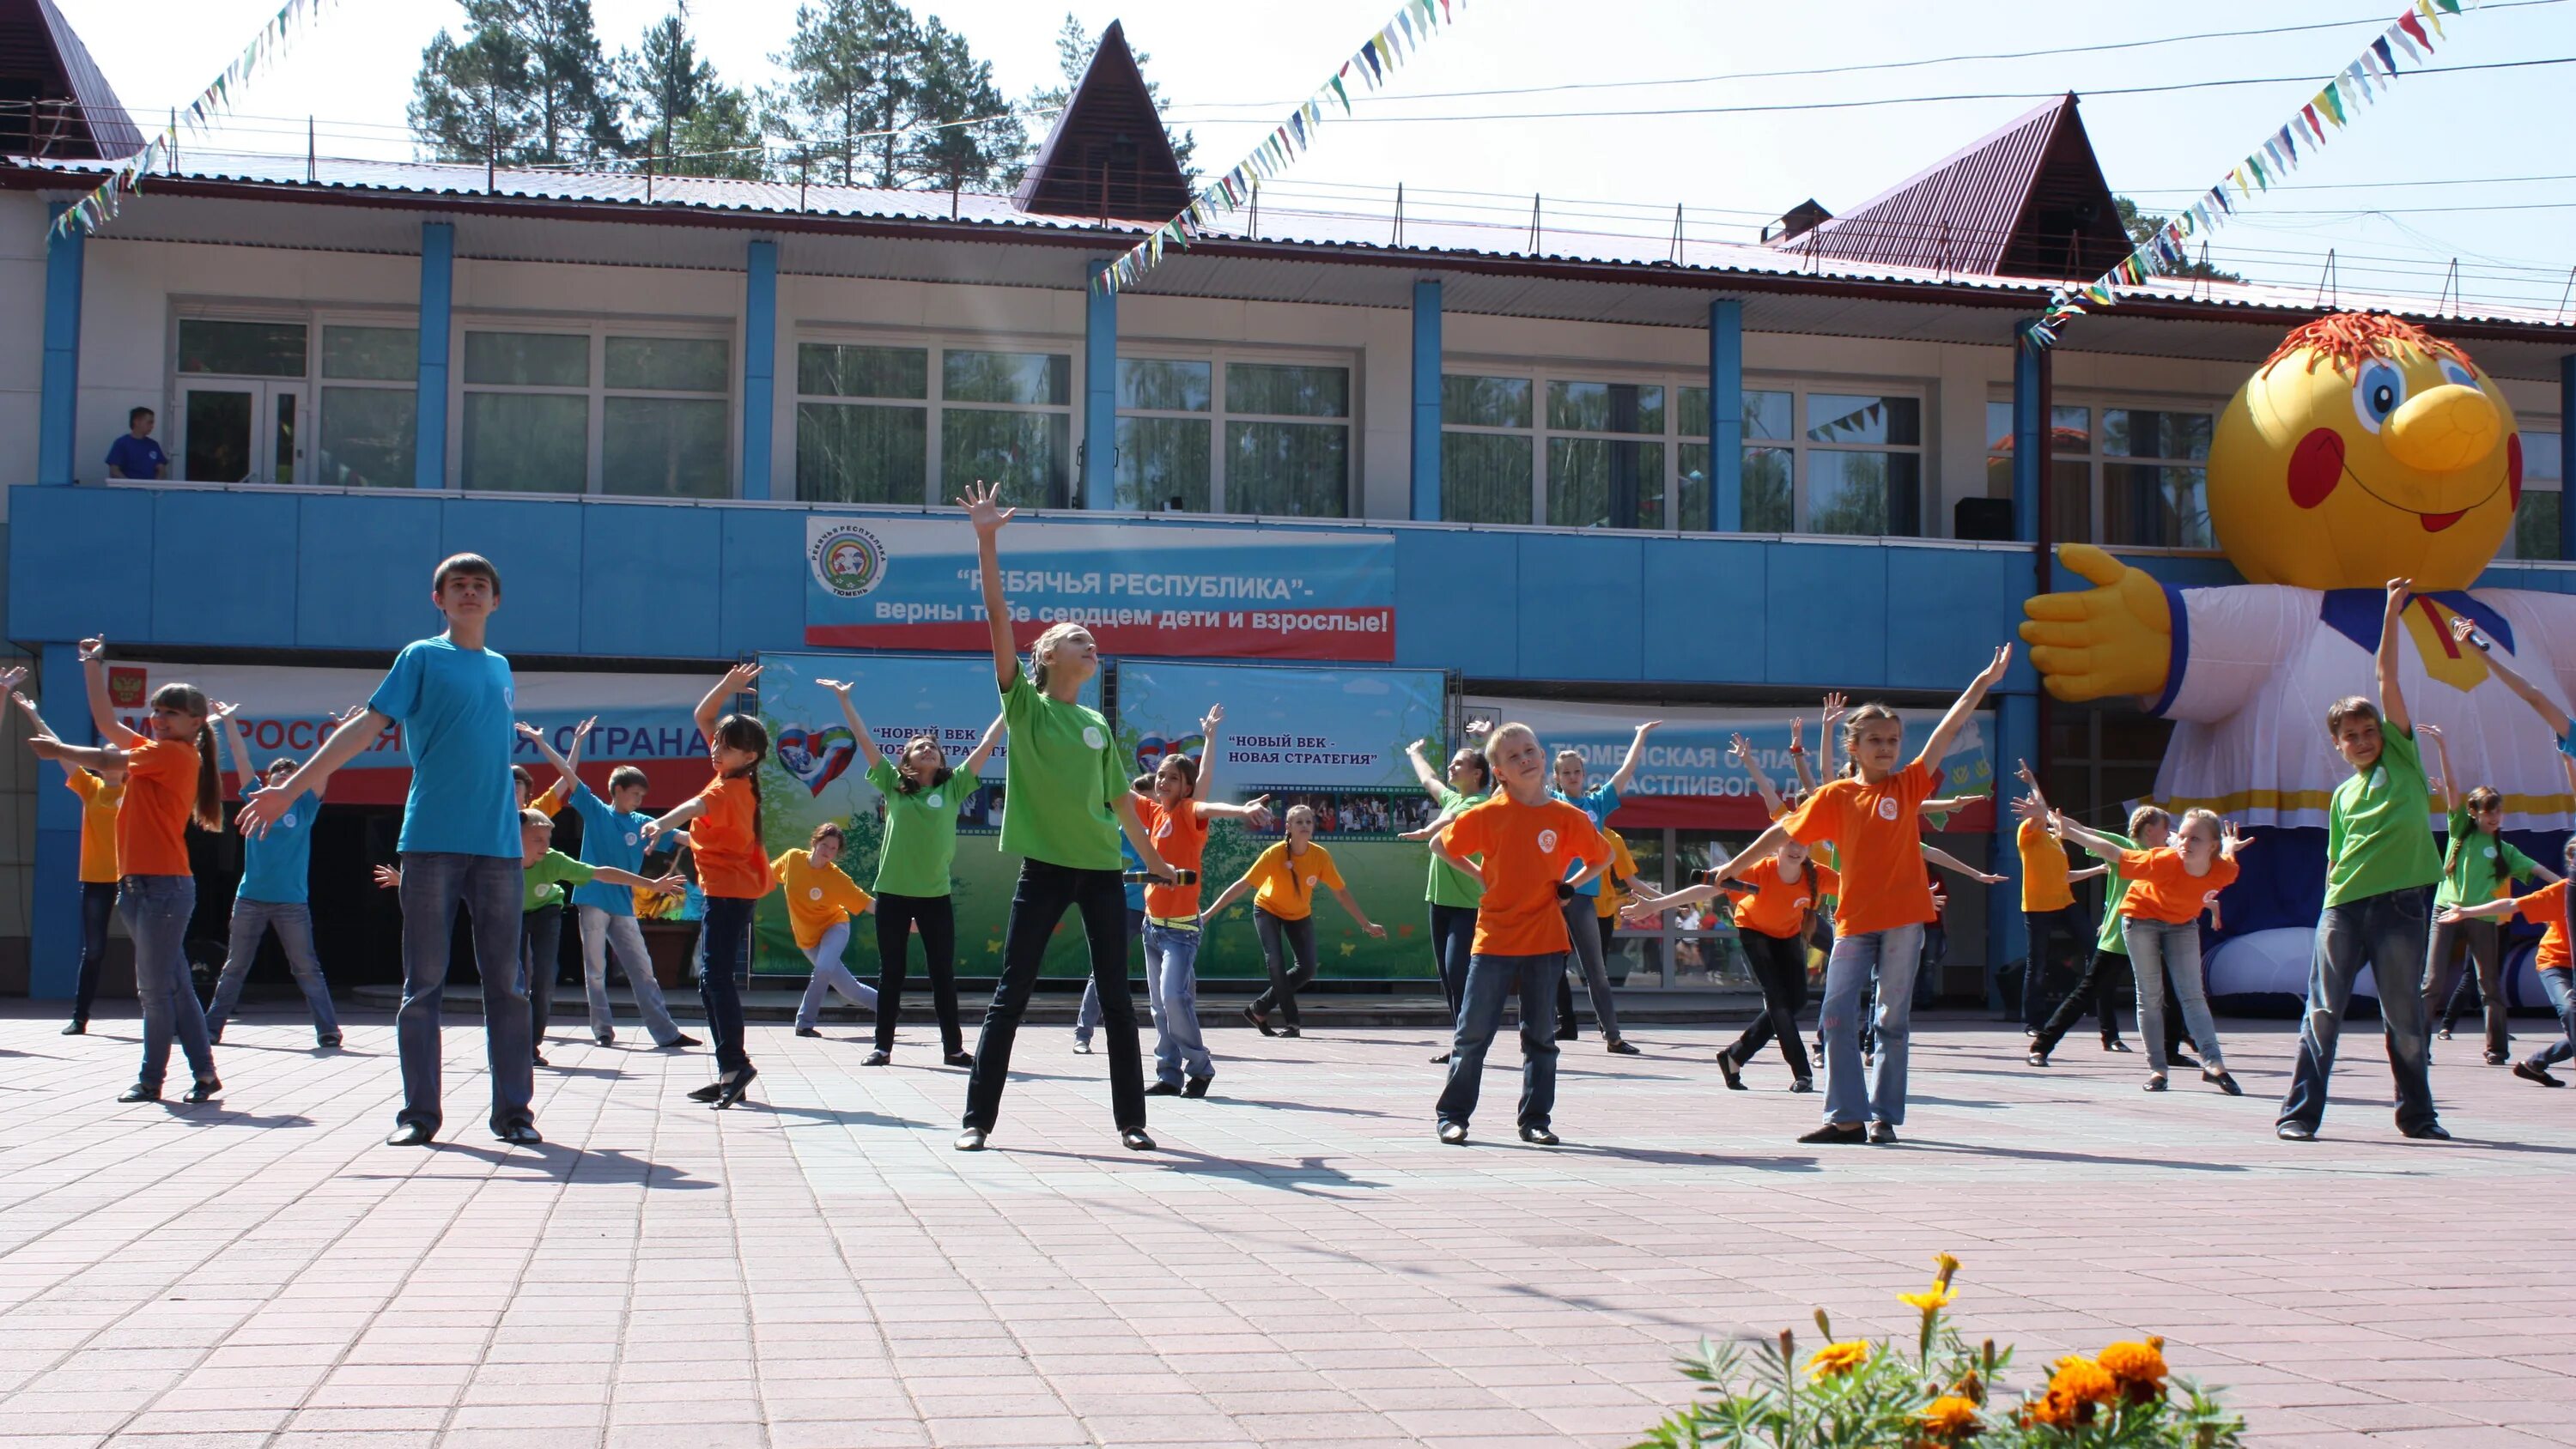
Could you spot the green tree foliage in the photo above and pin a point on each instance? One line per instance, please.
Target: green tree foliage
(2141, 225)
(525, 85)
(1073, 47)
(680, 116)
(967, 133)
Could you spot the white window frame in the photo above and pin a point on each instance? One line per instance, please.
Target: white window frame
(598, 330)
(2552, 429)
(938, 345)
(1218, 416)
(2096, 461)
(405, 321)
(311, 382)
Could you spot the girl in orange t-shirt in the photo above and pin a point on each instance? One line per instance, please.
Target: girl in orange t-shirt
(1283, 881)
(1885, 901)
(724, 835)
(100, 792)
(1775, 907)
(1172, 805)
(2554, 962)
(171, 782)
(2160, 924)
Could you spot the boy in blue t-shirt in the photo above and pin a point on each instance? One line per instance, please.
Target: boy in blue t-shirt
(460, 843)
(135, 454)
(272, 894)
(612, 835)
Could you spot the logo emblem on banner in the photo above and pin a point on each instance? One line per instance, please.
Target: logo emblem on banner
(847, 559)
(816, 758)
(126, 686)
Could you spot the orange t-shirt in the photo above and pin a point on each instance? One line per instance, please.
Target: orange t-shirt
(1778, 908)
(1180, 837)
(2547, 906)
(1877, 846)
(99, 800)
(1288, 881)
(1527, 850)
(2161, 890)
(160, 792)
(2044, 872)
(726, 843)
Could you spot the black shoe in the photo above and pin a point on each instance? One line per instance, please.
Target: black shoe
(2114, 1044)
(1135, 1140)
(1538, 1135)
(2295, 1132)
(970, 1140)
(1882, 1134)
(734, 1089)
(2429, 1132)
(139, 1093)
(959, 1059)
(2036, 1057)
(1802, 1084)
(1195, 1087)
(2186, 1063)
(1621, 1048)
(677, 1042)
(1727, 1068)
(1257, 1019)
(2496, 1059)
(1454, 1133)
(2222, 1081)
(2535, 1072)
(604, 1038)
(2154, 1084)
(411, 1134)
(1837, 1132)
(1441, 1060)
(77, 1028)
(329, 1043)
(1290, 1031)
(1163, 1089)
(204, 1089)
(808, 1031)
(537, 1057)
(707, 1093)
(215, 1033)
(1567, 1033)
(519, 1134)
(876, 1058)
(2446, 1034)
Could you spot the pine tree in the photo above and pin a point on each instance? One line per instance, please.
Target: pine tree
(526, 86)
(1073, 47)
(847, 81)
(966, 135)
(683, 120)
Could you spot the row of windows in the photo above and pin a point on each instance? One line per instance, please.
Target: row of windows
(647, 412)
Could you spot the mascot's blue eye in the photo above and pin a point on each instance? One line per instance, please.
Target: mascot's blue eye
(2453, 372)
(2381, 388)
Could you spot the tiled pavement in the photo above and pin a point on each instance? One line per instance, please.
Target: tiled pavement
(1301, 1263)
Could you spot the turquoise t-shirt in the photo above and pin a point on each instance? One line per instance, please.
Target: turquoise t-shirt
(454, 706)
(1597, 803)
(275, 865)
(613, 838)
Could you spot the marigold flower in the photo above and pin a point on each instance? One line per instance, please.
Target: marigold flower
(2139, 1367)
(2082, 1380)
(1950, 1416)
(2054, 1410)
(1836, 1359)
(1933, 1300)
(1947, 1264)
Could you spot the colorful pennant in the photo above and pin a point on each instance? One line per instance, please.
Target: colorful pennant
(92, 211)
(2331, 109)
(1399, 39)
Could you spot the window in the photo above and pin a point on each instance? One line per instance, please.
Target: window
(369, 406)
(241, 349)
(2138, 480)
(577, 412)
(1227, 435)
(2535, 522)
(1584, 453)
(866, 430)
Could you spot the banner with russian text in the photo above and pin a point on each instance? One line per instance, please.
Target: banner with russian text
(1140, 587)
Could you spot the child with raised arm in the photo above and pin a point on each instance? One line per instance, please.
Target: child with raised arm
(1450, 892)
(2478, 865)
(2380, 866)
(612, 837)
(100, 790)
(549, 872)
(2160, 922)
(1171, 801)
(2047, 897)
(2107, 978)
(1282, 881)
(2544, 907)
(821, 902)
(1886, 900)
(1582, 917)
(723, 822)
(1774, 903)
(273, 893)
(172, 781)
(460, 843)
(915, 866)
(1536, 851)
(1068, 804)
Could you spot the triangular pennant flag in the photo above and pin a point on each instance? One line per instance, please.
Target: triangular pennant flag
(2450, 6)
(2412, 30)
(2260, 179)
(2289, 143)
(1368, 55)
(1339, 93)
(2387, 57)
(2425, 9)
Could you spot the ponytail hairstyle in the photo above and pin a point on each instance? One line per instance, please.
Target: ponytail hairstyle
(1484, 769)
(1179, 764)
(1044, 649)
(906, 785)
(745, 732)
(208, 809)
(1856, 721)
(2144, 816)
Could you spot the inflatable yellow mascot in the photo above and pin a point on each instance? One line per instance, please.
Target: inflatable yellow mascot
(2365, 450)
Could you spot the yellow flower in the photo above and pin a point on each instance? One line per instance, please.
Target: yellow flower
(1836, 1359)
(1950, 1416)
(1947, 1264)
(2053, 1410)
(2139, 1367)
(2082, 1380)
(1934, 1300)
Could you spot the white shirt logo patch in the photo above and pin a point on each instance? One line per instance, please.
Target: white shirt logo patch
(633, 839)
(288, 821)
(2491, 850)
(814, 893)
(1092, 737)
(1886, 809)
(1547, 842)
(933, 802)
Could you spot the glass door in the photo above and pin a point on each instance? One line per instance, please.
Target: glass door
(240, 432)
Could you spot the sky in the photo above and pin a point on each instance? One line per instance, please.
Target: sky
(2446, 167)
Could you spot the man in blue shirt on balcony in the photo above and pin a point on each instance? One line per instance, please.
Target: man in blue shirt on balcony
(135, 455)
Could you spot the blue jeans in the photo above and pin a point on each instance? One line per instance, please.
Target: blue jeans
(1453, 939)
(1893, 956)
(156, 910)
(830, 974)
(724, 951)
(1086, 1017)
(2162, 955)
(293, 922)
(1172, 989)
(2386, 933)
(490, 888)
(2560, 983)
(1492, 981)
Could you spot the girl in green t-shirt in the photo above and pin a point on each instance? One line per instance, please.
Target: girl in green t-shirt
(1452, 893)
(1065, 801)
(922, 797)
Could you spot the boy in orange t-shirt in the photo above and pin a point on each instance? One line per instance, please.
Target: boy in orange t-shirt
(1531, 845)
(2554, 962)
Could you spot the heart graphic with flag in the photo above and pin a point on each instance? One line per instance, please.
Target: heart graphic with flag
(816, 757)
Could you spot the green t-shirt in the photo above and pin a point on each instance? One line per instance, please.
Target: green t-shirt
(553, 869)
(921, 831)
(2115, 890)
(2477, 863)
(2377, 836)
(1060, 780)
(1450, 886)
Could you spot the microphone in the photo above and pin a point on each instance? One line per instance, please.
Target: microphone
(1146, 877)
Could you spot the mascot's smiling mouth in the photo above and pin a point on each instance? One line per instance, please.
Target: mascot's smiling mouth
(2433, 522)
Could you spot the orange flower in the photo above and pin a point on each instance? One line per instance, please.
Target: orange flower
(2053, 1410)
(1933, 1300)
(1836, 1359)
(2139, 1367)
(2083, 1381)
(1950, 1416)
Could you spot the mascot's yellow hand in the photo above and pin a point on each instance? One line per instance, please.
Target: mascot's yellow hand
(2112, 639)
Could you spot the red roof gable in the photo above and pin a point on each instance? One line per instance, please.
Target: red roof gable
(1107, 156)
(53, 100)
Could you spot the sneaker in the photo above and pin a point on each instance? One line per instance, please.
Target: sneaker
(2446, 1034)
(1260, 1021)
(1727, 1068)
(1802, 1084)
(1196, 1086)
(808, 1031)
(876, 1059)
(1441, 1060)
(139, 1093)
(329, 1043)
(1082, 1046)
(1163, 1089)
(970, 1140)
(77, 1028)
(1290, 1031)
(2114, 1044)
(1454, 1133)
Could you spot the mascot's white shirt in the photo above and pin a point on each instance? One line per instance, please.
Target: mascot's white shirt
(2256, 666)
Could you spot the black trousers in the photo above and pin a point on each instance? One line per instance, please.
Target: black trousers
(1453, 936)
(936, 917)
(2042, 928)
(98, 902)
(1280, 940)
(725, 937)
(2106, 982)
(540, 962)
(2445, 983)
(1045, 892)
(1779, 966)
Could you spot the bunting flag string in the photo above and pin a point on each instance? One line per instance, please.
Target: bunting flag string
(1403, 36)
(2332, 108)
(92, 211)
